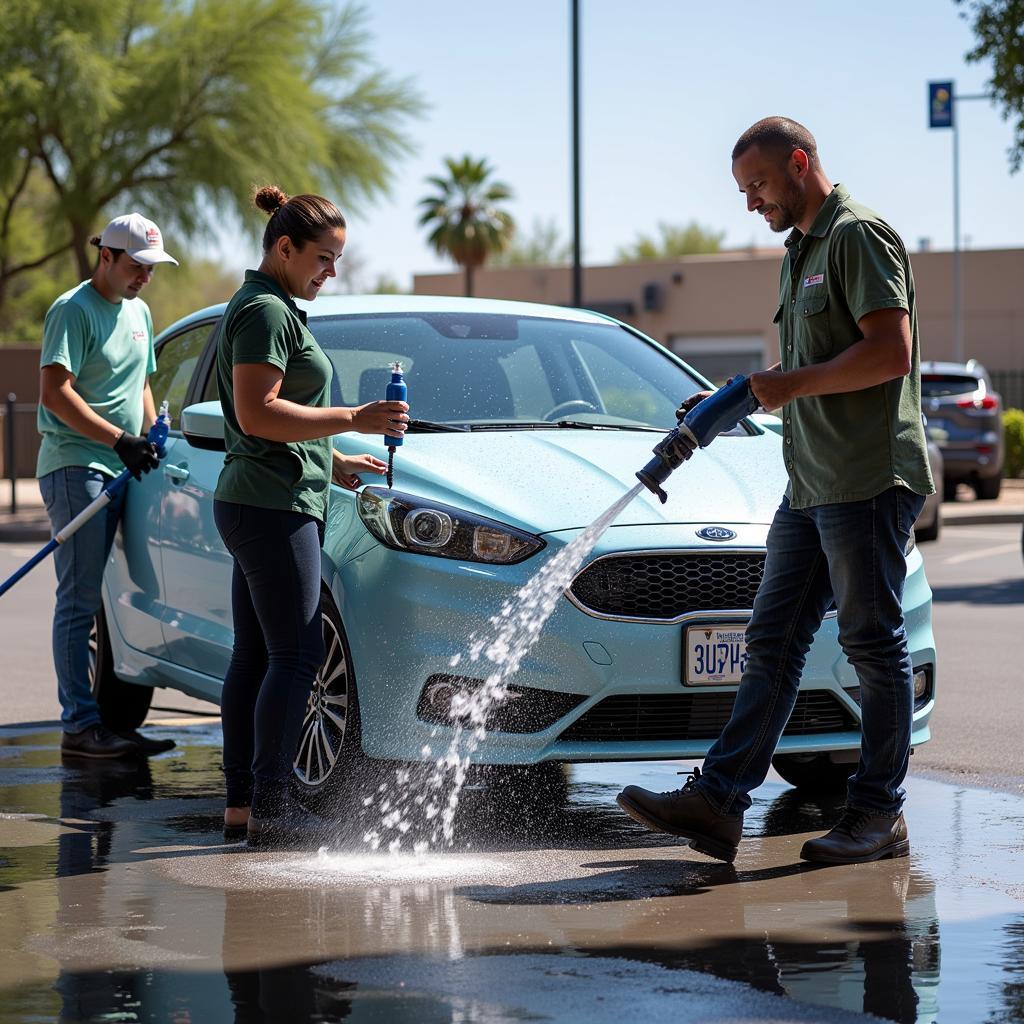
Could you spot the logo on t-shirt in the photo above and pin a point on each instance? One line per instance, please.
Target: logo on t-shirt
(138, 335)
(810, 282)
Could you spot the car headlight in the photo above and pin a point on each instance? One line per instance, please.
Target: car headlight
(409, 523)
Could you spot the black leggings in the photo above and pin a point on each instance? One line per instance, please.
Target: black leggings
(278, 648)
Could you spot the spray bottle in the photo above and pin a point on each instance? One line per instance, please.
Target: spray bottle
(396, 392)
(720, 411)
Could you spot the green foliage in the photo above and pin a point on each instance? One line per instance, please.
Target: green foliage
(544, 246)
(998, 27)
(676, 240)
(1013, 424)
(177, 109)
(465, 214)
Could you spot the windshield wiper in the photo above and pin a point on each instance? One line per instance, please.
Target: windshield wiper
(556, 424)
(430, 427)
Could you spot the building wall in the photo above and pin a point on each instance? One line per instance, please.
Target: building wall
(733, 296)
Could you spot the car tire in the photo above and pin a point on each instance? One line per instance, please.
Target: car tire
(932, 531)
(329, 761)
(988, 489)
(123, 706)
(813, 773)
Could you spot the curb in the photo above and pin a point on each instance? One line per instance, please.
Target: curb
(982, 518)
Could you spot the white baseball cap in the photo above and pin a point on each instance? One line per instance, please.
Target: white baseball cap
(139, 237)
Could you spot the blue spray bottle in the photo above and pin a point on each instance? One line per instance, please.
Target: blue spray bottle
(396, 392)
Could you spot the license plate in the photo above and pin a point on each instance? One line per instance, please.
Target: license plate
(714, 655)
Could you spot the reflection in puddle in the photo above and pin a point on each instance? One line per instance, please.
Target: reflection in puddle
(119, 902)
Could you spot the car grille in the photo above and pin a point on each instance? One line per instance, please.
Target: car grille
(666, 586)
(632, 718)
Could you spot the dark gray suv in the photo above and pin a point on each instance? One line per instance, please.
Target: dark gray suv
(965, 419)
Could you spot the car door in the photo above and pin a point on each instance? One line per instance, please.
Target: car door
(137, 598)
(197, 625)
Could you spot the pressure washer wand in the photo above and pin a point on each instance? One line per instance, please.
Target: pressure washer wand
(396, 392)
(158, 436)
(720, 411)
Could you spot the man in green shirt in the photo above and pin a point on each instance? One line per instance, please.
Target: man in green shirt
(94, 402)
(848, 385)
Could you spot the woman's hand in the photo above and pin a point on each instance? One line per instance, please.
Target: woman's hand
(381, 418)
(345, 467)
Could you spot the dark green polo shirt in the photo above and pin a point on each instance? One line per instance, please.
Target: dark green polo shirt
(848, 447)
(263, 325)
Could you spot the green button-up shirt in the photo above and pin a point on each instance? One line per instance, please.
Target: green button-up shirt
(848, 447)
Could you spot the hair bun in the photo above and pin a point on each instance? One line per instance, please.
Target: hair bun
(269, 198)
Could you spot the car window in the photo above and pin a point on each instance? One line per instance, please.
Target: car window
(938, 385)
(479, 368)
(175, 363)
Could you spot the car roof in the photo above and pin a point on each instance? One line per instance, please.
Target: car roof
(356, 305)
(970, 369)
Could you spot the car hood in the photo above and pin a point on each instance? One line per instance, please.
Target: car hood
(547, 480)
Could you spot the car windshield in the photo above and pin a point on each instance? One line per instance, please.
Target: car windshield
(481, 369)
(938, 385)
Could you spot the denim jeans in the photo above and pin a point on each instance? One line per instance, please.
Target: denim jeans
(278, 648)
(852, 552)
(79, 562)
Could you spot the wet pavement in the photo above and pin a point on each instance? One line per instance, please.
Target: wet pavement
(120, 902)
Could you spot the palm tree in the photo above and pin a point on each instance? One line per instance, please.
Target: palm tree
(468, 223)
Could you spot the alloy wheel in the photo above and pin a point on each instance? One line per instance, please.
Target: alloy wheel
(325, 723)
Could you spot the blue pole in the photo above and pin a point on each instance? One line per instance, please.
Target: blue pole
(158, 435)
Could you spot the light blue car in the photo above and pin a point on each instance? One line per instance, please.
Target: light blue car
(528, 422)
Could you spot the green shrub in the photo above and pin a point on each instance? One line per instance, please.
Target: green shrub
(1013, 421)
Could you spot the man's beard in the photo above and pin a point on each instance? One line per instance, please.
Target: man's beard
(791, 207)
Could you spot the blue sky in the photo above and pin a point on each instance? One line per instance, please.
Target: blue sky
(668, 85)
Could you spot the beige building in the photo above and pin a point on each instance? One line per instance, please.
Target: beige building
(716, 311)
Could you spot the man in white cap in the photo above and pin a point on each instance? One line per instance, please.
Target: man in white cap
(94, 407)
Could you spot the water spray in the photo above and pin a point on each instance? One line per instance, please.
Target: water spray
(157, 436)
(396, 392)
(720, 411)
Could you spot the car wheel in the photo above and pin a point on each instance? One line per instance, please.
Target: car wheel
(123, 706)
(989, 488)
(329, 754)
(932, 530)
(949, 489)
(813, 773)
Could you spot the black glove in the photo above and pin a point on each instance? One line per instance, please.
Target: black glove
(138, 454)
(676, 448)
(688, 403)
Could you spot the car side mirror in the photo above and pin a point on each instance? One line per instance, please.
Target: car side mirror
(203, 426)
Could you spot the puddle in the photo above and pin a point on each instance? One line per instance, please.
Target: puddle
(118, 901)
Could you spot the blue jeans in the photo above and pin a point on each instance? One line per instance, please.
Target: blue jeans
(79, 562)
(853, 553)
(278, 648)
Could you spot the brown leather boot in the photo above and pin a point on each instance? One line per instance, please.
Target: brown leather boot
(685, 812)
(858, 837)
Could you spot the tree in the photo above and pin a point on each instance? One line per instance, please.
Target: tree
(468, 223)
(999, 29)
(177, 109)
(543, 247)
(676, 240)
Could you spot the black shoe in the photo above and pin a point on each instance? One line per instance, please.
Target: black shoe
(293, 829)
(858, 837)
(97, 741)
(148, 744)
(685, 812)
(235, 833)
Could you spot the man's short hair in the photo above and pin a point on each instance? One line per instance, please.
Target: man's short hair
(777, 136)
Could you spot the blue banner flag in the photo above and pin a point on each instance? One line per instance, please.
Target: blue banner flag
(940, 104)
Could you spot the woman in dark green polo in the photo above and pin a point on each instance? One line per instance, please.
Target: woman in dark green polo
(271, 501)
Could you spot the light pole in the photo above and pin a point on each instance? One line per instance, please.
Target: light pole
(942, 100)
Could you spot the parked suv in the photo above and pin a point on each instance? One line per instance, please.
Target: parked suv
(965, 419)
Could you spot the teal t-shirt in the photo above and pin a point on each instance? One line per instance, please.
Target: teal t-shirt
(263, 325)
(108, 346)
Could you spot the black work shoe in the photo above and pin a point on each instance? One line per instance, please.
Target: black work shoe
(685, 812)
(858, 837)
(148, 744)
(97, 741)
(294, 829)
(235, 833)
